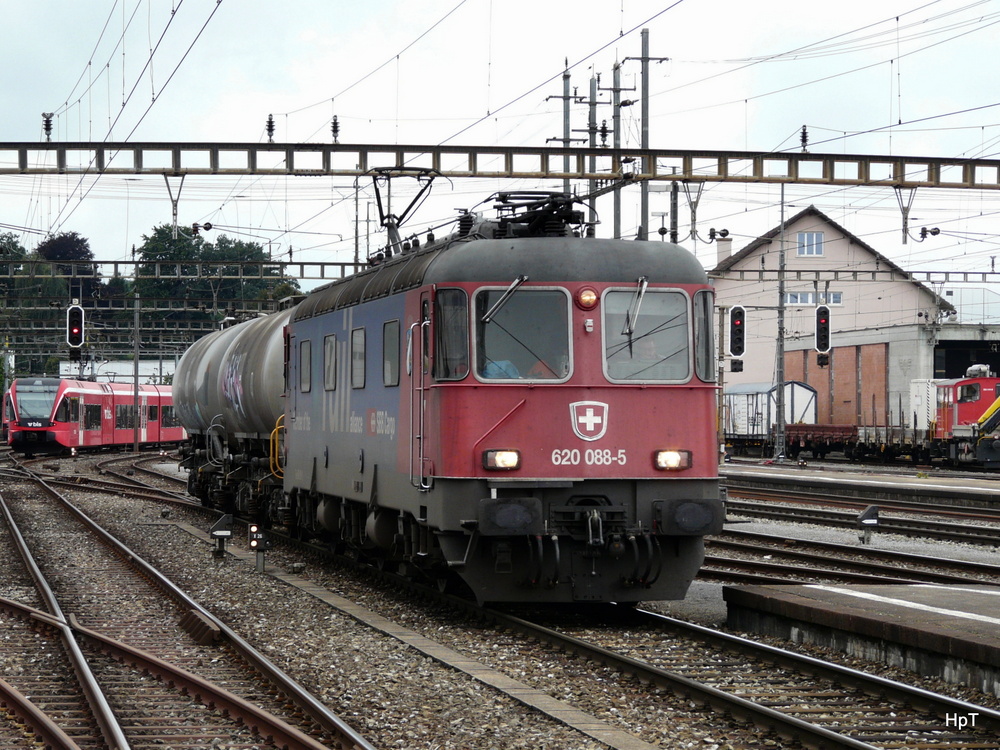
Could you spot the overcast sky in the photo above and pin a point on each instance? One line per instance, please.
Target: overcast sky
(888, 77)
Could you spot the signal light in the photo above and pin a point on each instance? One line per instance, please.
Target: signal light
(74, 326)
(823, 329)
(737, 331)
(257, 538)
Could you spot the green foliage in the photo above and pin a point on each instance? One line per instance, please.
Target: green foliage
(31, 294)
(165, 260)
(69, 252)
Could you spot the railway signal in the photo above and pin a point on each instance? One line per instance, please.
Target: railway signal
(258, 540)
(737, 331)
(74, 326)
(823, 329)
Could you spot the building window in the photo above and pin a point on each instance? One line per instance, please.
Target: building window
(810, 244)
(809, 298)
(800, 298)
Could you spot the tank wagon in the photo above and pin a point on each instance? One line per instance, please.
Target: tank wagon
(516, 409)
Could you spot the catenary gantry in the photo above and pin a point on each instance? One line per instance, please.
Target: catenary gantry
(508, 162)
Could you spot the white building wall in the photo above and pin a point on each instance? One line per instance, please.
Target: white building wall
(859, 310)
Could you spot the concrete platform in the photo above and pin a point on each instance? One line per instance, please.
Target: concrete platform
(951, 632)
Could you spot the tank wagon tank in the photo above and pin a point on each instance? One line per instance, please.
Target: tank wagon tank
(517, 410)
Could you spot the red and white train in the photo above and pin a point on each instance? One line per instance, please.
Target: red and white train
(54, 415)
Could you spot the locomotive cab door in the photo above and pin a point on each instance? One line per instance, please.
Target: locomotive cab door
(419, 366)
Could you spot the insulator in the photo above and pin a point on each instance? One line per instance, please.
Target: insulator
(554, 228)
(270, 128)
(335, 129)
(465, 222)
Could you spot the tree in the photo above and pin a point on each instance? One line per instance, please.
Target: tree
(10, 250)
(70, 253)
(167, 263)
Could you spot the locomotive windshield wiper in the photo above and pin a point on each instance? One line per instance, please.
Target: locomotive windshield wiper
(632, 314)
(503, 299)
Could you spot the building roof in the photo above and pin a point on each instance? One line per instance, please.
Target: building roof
(811, 211)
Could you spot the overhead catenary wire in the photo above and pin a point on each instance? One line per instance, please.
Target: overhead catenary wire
(845, 47)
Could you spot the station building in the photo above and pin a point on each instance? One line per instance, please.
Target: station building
(889, 332)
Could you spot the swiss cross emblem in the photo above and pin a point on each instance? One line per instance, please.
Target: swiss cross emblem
(590, 419)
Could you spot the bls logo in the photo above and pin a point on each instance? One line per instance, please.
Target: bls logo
(590, 419)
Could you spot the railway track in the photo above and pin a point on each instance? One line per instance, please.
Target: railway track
(756, 558)
(792, 704)
(153, 668)
(805, 700)
(929, 526)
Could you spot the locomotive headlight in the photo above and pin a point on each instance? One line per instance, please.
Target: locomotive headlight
(501, 459)
(672, 460)
(586, 298)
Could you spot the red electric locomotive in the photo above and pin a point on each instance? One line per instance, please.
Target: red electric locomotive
(53, 415)
(517, 406)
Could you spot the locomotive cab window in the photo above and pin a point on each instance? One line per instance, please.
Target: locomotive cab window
(704, 338)
(522, 335)
(968, 393)
(68, 410)
(647, 336)
(451, 334)
(35, 400)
